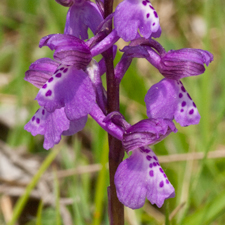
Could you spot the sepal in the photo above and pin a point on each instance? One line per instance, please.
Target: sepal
(40, 71)
(147, 132)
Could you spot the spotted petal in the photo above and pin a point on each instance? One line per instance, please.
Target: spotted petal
(141, 176)
(131, 15)
(168, 99)
(51, 125)
(69, 88)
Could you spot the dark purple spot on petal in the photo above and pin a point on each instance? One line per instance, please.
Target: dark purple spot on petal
(33, 118)
(153, 24)
(56, 71)
(194, 105)
(151, 173)
(48, 93)
(146, 151)
(156, 15)
(58, 75)
(189, 96)
(183, 89)
(43, 112)
(144, 3)
(50, 80)
(161, 170)
(180, 95)
(44, 86)
(148, 157)
(167, 181)
(151, 7)
(191, 111)
(157, 164)
(147, 15)
(183, 103)
(181, 110)
(154, 164)
(64, 71)
(155, 158)
(38, 120)
(62, 68)
(161, 184)
(150, 165)
(164, 175)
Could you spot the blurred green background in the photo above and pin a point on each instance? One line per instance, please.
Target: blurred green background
(74, 175)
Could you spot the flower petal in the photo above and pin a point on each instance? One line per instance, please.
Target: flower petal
(69, 88)
(141, 176)
(177, 64)
(40, 71)
(51, 125)
(75, 126)
(147, 132)
(69, 50)
(168, 99)
(81, 17)
(131, 15)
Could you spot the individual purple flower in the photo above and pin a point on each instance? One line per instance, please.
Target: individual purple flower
(131, 15)
(168, 99)
(147, 132)
(50, 124)
(82, 14)
(139, 177)
(53, 125)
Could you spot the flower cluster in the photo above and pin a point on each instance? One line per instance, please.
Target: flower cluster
(70, 89)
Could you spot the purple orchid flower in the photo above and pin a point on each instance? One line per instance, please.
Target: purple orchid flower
(50, 124)
(141, 176)
(82, 14)
(66, 91)
(131, 15)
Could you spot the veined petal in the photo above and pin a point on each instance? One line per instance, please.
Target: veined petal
(147, 132)
(69, 49)
(177, 64)
(131, 15)
(141, 176)
(51, 125)
(40, 71)
(168, 99)
(70, 88)
(81, 17)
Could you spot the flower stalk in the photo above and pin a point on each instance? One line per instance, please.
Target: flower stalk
(116, 153)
